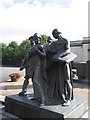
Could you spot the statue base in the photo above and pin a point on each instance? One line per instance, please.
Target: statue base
(24, 107)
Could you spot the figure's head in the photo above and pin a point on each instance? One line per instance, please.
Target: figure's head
(56, 33)
(49, 39)
(37, 38)
(32, 41)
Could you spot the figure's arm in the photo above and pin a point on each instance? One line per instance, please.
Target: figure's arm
(24, 60)
(32, 51)
(66, 49)
(64, 52)
(51, 48)
(41, 51)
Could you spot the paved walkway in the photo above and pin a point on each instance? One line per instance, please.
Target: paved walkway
(10, 88)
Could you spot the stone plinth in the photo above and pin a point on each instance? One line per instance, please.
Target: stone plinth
(24, 107)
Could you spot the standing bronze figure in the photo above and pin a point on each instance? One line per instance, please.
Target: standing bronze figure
(59, 60)
(34, 63)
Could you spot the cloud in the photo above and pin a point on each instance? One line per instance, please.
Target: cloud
(19, 21)
(6, 3)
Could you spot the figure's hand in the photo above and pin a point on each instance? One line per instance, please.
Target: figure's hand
(61, 55)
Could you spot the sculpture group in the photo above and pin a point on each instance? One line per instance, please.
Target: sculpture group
(49, 67)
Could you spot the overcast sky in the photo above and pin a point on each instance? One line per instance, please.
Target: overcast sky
(19, 19)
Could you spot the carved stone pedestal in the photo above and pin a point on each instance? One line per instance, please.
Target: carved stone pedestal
(24, 107)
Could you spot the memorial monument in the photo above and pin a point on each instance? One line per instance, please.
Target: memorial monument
(49, 67)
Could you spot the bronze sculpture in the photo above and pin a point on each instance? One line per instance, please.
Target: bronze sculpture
(49, 68)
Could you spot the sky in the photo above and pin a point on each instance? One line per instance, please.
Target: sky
(19, 19)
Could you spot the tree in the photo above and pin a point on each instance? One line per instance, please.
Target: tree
(13, 44)
(4, 52)
(23, 46)
(44, 39)
(13, 50)
(13, 53)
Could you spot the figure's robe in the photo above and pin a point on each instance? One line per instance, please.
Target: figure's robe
(56, 68)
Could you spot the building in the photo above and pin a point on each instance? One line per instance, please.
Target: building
(82, 63)
(82, 49)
